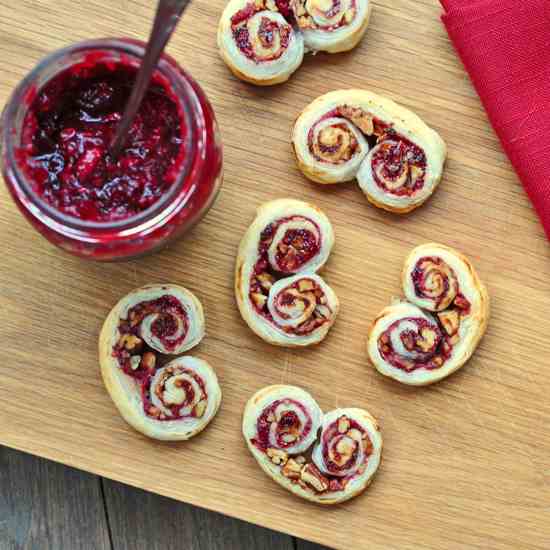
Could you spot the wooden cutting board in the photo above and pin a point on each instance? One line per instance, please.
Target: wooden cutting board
(466, 462)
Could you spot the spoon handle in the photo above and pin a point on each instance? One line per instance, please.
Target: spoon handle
(166, 19)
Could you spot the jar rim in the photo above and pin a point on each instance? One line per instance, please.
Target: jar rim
(188, 104)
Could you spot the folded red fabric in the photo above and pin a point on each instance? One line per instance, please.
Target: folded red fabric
(505, 47)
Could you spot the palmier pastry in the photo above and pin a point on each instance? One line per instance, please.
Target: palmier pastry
(263, 41)
(167, 400)
(354, 134)
(279, 293)
(326, 458)
(438, 328)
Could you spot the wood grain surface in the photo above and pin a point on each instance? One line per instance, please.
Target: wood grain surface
(48, 506)
(466, 462)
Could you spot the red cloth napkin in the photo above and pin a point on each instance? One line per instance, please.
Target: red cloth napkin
(505, 47)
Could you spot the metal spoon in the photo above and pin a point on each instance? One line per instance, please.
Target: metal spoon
(166, 19)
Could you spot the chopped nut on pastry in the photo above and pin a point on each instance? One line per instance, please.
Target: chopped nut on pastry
(279, 293)
(439, 327)
(356, 134)
(174, 401)
(344, 446)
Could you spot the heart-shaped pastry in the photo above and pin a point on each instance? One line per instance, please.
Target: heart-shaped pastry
(167, 400)
(438, 328)
(355, 134)
(279, 293)
(264, 41)
(326, 458)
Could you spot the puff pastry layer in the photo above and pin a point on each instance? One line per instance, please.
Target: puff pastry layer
(172, 400)
(279, 293)
(281, 426)
(355, 134)
(438, 328)
(263, 41)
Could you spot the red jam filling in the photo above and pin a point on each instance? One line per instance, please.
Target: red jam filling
(286, 11)
(266, 33)
(167, 307)
(331, 435)
(69, 127)
(428, 355)
(297, 247)
(288, 423)
(307, 22)
(418, 276)
(396, 155)
(154, 412)
(284, 298)
(379, 129)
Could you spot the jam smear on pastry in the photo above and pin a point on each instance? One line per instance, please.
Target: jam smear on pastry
(162, 397)
(327, 458)
(438, 328)
(264, 41)
(355, 134)
(278, 290)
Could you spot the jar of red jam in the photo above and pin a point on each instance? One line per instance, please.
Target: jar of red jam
(55, 135)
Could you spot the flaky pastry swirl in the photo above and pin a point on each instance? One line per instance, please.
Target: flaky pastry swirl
(355, 134)
(325, 458)
(279, 293)
(167, 401)
(438, 328)
(263, 41)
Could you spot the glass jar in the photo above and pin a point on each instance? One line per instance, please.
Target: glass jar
(196, 179)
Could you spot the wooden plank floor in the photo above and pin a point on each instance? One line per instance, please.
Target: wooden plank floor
(48, 506)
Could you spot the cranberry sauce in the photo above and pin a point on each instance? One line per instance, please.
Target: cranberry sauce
(167, 307)
(419, 275)
(267, 32)
(175, 409)
(354, 116)
(429, 346)
(399, 165)
(67, 132)
(331, 437)
(295, 249)
(288, 423)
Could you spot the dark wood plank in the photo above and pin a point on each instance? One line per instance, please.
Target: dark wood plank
(140, 519)
(305, 545)
(47, 506)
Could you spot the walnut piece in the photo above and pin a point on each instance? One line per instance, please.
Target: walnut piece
(312, 476)
(429, 336)
(304, 285)
(259, 299)
(450, 320)
(148, 361)
(292, 469)
(349, 15)
(360, 118)
(416, 172)
(343, 424)
(355, 434)
(266, 280)
(277, 456)
(131, 343)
